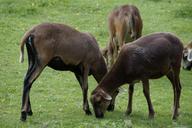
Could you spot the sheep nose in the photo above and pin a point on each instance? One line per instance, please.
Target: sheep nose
(101, 115)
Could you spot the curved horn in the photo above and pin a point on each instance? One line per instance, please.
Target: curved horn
(106, 95)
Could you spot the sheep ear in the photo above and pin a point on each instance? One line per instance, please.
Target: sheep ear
(189, 57)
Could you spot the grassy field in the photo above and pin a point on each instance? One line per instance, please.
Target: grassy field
(56, 96)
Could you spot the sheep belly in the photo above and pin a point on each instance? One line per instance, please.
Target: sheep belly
(57, 64)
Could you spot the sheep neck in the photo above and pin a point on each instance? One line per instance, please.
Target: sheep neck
(113, 80)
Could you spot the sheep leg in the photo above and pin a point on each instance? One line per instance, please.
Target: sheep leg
(116, 49)
(85, 89)
(112, 104)
(107, 58)
(105, 54)
(178, 93)
(31, 76)
(174, 79)
(85, 102)
(170, 76)
(177, 79)
(31, 62)
(111, 52)
(130, 91)
(111, 60)
(83, 81)
(29, 110)
(146, 91)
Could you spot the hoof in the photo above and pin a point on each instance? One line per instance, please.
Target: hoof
(88, 112)
(175, 114)
(100, 116)
(110, 108)
(128, 112)
(30, 113)
(151, 115)
(23, 116)
(174, 118)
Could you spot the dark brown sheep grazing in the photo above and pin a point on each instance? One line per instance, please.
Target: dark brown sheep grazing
(61, 48)
(125, 25)
(149, 57)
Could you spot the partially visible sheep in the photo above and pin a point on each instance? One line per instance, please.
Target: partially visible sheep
(187, 57)
(125, 25)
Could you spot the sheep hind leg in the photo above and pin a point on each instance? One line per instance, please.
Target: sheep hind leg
(110, 58)
(174, 79)
(129, 107)
(29, 110)
(146, 91)
(178, 93)
(31, 63)
(31, 76)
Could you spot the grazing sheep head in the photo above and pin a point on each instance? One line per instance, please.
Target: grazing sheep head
(100, 101)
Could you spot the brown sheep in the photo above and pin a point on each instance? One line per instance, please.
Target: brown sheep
(62, 48)
(149, 57)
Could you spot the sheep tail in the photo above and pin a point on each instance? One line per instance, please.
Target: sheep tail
(130, 21)
(23, 41)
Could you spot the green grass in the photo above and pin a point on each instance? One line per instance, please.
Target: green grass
(56, 96)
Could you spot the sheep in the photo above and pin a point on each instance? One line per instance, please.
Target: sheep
(187, 57)
(125, 25)
(62, 48)
(149, 57)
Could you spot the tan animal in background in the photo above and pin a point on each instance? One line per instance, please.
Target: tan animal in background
(125, 25)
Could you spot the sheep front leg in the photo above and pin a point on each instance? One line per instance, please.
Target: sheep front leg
(83, 81)
(112, 104)
(85, 89)
(110, 54)
(129, 107)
